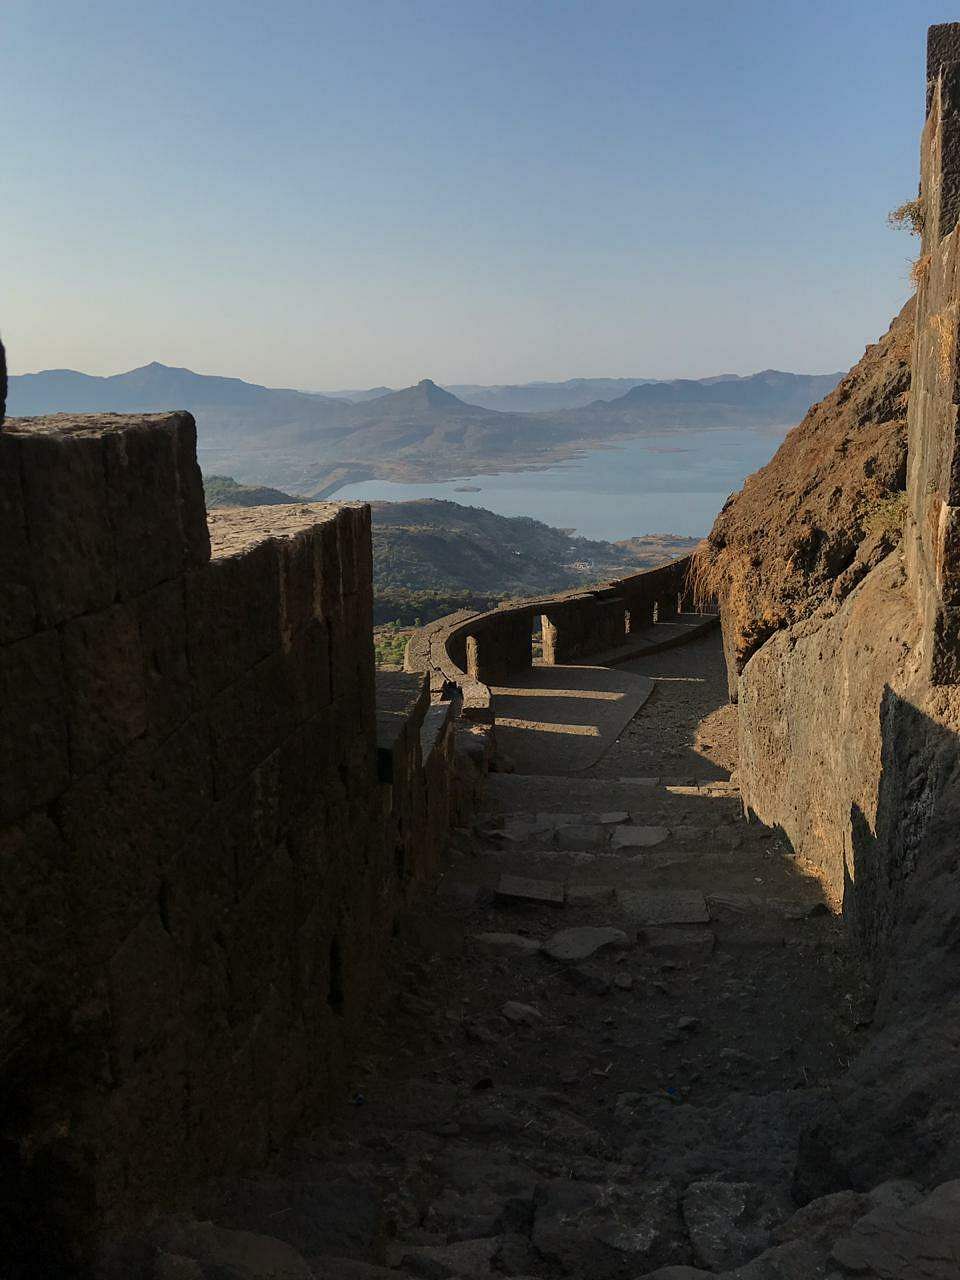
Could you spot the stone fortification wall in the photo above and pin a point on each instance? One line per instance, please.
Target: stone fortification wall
(198, 859)
(470, 651)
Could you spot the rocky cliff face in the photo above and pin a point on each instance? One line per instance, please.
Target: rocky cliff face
(838, 570)
(806, 528)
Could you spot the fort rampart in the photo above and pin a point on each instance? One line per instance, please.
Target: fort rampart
(470, 651)
(206, 824)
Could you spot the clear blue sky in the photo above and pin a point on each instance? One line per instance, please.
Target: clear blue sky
(344, 194)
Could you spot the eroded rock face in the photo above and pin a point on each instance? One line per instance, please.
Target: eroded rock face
(806, 528)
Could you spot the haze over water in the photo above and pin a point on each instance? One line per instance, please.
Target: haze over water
(671, 482)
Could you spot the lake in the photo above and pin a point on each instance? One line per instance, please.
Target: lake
(672, 482)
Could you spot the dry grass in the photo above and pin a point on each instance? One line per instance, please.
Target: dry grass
(704, 578)
(908, 217)
(920, 270)
(944, 326)
(886, 515)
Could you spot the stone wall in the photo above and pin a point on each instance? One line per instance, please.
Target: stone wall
(470, 651)
(198, 860)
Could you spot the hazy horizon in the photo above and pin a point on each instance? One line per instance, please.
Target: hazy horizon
(451, 382)
(320, 196)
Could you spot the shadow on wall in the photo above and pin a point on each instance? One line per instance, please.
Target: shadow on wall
(895, 1113)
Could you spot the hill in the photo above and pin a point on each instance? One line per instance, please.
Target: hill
(314, 444)
(428, 551)
(444, 546)
(224, 491)
(771, 391)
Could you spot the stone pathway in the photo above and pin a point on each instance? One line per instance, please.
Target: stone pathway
(601, 1040)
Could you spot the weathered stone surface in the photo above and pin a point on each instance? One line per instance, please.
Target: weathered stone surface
(198, 870)
(238, 1255)
(668, 907)
(580, 837)
(513, 944)
(797, 1260)
(681, 1272)
(683, 944)
(17, 608)
(516, 1011)
(587, 894)
(66, 511)
(605, 1231)
(823, 1219)
(638, 837)
(915, 1243)
(582, 942)
(466, 1258)
(729, 1222)
(105, 691)
(523, 889)
(34, 760)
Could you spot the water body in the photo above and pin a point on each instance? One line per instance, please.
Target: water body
(673, 482)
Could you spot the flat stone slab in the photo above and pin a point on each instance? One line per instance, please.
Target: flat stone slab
(674, 906)
(581, 837)
(681, 943)
(582, 942)
(588, 894)
(638, 837)
(614, 817)
(526, 1014)
(508, 944)
(551, 820)
(520, 888)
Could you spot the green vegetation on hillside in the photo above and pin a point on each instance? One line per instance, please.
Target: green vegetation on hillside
(224, 491)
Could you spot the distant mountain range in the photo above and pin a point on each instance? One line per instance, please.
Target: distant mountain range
(314, 443)
(526, 397)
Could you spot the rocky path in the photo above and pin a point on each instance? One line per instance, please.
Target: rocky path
(603, 1037)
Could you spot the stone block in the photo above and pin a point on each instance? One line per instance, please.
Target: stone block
(668, 907)
(126, 822)
(581, 837)
(168, 681)
(252, 823)
(145, 979)
(34, 760)
(508, 944)
(104, 675)
(249, 720)
(191, 499)
(233, 615)
(66, 507)
(638, 837)
(298, 587)
(523, 889)
(37, 926)
(17, 610)
(308, 663)
(353, 529)
(582, 942)
(141, 467)
(328, 585)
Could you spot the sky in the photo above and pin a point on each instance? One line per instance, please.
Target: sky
(328, 195)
